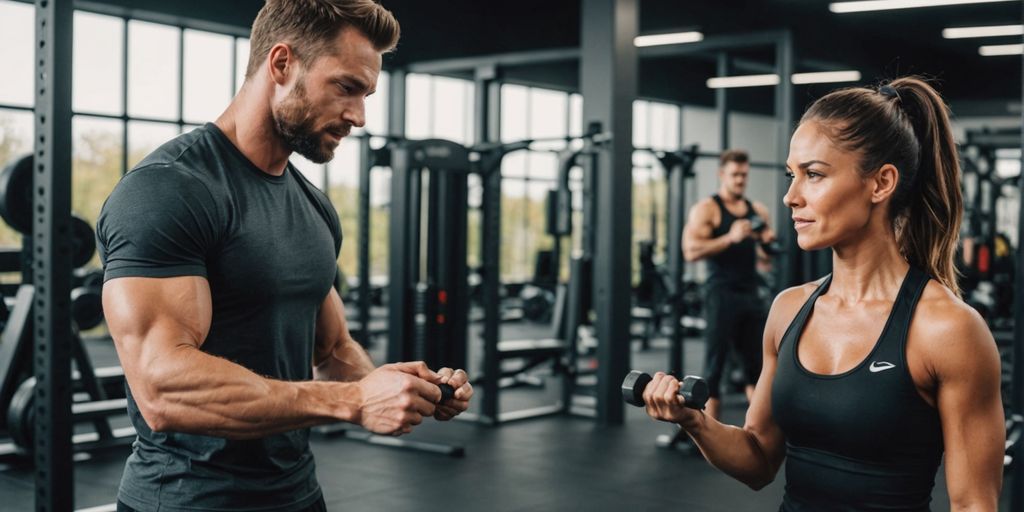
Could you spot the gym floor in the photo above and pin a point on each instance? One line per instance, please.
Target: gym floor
(553, 463)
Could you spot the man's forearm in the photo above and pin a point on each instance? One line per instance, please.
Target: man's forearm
(700, 249)
(347, 362)
(197, 393)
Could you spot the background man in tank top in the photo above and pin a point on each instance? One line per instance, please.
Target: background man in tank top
(726, 230)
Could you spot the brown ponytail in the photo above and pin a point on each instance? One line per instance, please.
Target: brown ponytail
(906, 124)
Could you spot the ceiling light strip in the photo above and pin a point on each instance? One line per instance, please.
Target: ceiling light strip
(1001, 49)
(663, 39)
(993, 31)
(729, 82)
(825, 77)
(885, 5)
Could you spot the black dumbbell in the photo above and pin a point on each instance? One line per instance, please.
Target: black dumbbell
(771, 248)
(757, 223)
(447, 393)
(693, 389)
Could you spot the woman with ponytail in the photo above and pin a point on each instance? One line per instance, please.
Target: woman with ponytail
(874, 372)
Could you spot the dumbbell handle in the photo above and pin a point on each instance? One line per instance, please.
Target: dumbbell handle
(693, 389)
(447, 393)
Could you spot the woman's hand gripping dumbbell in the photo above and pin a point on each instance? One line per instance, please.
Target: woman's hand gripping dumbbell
(693, 389)
(665, 392)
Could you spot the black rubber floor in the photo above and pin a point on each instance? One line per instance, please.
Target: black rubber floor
(547, 464)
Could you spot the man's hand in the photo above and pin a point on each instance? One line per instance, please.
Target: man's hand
(463, 392)
(396, 397)
(740, 231)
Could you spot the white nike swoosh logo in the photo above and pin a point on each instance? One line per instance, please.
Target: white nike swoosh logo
(877, 366)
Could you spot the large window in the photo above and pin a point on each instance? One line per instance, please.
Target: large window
(442, 107)
(439, 107)
(127, 99)
(16, 95)
(655, 127)
(527, 176)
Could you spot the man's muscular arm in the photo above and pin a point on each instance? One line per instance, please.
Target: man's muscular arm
(159, 325)
(698, 242)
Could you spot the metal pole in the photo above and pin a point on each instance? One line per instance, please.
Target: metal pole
(488, 122)
(124, 96)
(396, 103)
(676, 168)
(366, 163)
(405, 220)
(51, 228)
(787, 267)
(1017, 492)
(722, 102)
(608, 69)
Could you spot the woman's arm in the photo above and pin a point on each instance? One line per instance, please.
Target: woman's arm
(960, 353)
(751, 454)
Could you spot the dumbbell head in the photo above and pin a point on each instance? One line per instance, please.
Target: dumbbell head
(633, 388)
(757, 223)
(693, 389)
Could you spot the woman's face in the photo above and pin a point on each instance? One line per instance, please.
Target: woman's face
(829, 199)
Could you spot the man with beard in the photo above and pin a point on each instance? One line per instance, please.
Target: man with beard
(219, 260)
(722, 230)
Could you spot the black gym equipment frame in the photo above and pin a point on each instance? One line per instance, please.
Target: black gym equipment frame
(428, 298)
(678, 166)
(1017, 492)
(52, 448)
(428, 295)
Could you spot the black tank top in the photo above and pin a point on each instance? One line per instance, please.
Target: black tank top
(864, 439)
(735, 266)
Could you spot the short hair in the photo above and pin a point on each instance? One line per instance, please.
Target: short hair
(310, 26)
(733, 155)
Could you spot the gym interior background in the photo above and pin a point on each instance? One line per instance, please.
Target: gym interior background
(581, 138)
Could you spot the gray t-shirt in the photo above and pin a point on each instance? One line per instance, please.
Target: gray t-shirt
(268, 246)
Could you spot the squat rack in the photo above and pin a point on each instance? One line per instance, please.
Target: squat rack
(52, 451)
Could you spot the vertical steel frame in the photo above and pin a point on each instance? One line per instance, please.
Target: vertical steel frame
(676, 169)
(1017, 492)
(608, 69)
(403, 250)
(52, 243)
(787, 269)
(366, 163)
(488, 126)
(722, 101)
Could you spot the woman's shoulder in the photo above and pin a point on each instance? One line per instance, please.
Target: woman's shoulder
(786, 306)
(796, 296)
(948, 330)
(942, 310)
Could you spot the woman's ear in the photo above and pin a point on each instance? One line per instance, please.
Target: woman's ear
(884, 182)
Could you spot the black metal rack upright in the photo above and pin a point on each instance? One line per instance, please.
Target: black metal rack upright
(428, 298)
(678, 166)
(1017, 492)
(52, 243)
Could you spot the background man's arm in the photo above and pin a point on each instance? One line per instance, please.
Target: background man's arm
(698, 242)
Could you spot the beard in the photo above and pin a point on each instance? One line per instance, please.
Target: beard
(294, 119)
